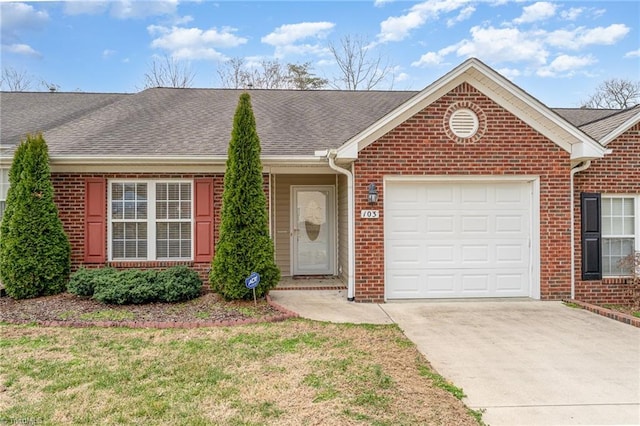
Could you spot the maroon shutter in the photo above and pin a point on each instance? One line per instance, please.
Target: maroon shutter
(94, 220)
(204, 220)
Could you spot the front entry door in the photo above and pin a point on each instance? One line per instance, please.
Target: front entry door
(313, 231)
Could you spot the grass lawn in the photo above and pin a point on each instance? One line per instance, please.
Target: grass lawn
(296, 372)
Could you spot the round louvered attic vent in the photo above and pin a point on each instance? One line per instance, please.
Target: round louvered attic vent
(463, 123)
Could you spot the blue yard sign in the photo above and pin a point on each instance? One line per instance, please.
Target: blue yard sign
(252, 280)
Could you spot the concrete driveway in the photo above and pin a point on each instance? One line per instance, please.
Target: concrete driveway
(524, 362)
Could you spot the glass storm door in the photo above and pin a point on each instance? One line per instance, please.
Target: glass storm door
(312, 230)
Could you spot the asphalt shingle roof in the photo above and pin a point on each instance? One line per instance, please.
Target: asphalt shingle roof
(167, 122)
(191, 122)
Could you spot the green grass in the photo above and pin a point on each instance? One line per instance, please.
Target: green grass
(296, 372)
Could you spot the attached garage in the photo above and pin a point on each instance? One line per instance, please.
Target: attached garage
(461, 238)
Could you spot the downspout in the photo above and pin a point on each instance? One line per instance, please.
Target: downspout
(351, 283)
(579, 168)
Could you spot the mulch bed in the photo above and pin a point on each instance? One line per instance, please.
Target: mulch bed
(70, 310)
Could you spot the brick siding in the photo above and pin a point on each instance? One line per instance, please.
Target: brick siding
(420, 146)
(69, 198)
(616, 173)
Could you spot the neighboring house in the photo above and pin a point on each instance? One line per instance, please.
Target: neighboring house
(460, 190)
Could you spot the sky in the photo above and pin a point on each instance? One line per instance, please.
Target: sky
(559, 52)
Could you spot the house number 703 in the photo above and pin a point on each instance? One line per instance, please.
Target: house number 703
(369, 214)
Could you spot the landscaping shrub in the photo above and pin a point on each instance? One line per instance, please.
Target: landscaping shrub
(134, 286)
(179, 283)
(244, 245)
(35, 255)
(83, 282)
(131, 286)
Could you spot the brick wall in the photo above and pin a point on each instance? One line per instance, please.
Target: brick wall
(421, 146)
(69, 197)
(616, 173)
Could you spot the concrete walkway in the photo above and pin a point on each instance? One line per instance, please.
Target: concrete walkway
(524, 362)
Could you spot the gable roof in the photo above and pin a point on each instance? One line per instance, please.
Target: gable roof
(173, 123)
(500, 90)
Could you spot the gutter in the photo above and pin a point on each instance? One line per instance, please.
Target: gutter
(331, 155)
(577, 169)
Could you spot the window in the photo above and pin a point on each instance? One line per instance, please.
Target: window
(150, 220)
(4, 189)
(619, 232)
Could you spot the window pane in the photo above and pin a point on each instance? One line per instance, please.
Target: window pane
(174, 248)
(185, 230)
(614, 251)
(129, 191)
(162, 249)
(117, 191)
(185, 191)
(174, 231)
(161, 210)
(606, 206)
(173, 210)
(129, 210)
(161, 191)
(118, 249)
(173, 190)
(117, 210)
(117, 231)
(616, 207)
(162, 230)
(185, 210)
(628, 207)
(186, 248)
(141, 191)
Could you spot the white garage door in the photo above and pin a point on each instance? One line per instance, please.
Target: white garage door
(457, 239)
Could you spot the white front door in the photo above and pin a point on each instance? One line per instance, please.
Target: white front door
(313, 231)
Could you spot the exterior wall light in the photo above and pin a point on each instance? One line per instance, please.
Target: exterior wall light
(372, 196)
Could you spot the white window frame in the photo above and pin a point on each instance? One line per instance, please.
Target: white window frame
(636, 225)
(151, 220)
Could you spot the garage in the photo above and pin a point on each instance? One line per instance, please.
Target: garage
(459, 239)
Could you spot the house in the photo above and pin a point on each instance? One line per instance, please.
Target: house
(468, 188)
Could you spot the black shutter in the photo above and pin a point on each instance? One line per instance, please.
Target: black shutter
(591, 237)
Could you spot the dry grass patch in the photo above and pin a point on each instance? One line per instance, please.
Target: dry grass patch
(293, 373)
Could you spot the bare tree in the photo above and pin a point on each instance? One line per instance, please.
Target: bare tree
(615, 93)
(232, 73)
(236, 74)
(14, 80)
(360, 67)
(168, 72)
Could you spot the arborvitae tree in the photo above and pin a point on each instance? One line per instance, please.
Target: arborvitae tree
(35, 255)
(244, 245)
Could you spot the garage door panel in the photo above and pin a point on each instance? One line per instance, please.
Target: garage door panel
(406, 255)
(403, 225)
(439, 224)
(510, 281)
(475, 283)
(409, 285)
(439, 195)
(460, 239)
(476, 254)
(516, 223)
(474, 195)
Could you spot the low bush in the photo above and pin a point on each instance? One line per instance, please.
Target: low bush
(134, 286)
(131, 286)
(83, 282)
(179, 283)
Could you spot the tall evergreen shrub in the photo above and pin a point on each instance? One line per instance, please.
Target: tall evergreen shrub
(35, 255)
(244, 245)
